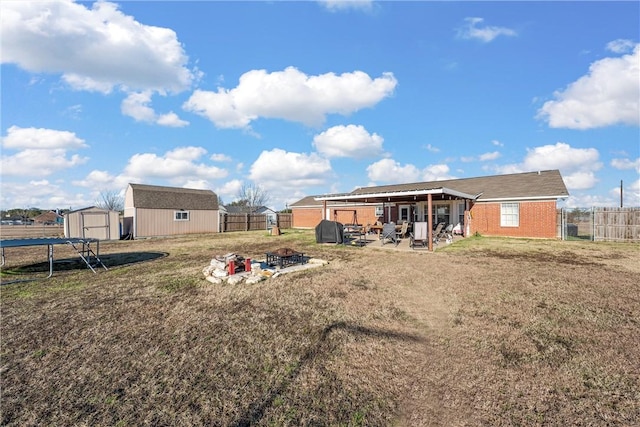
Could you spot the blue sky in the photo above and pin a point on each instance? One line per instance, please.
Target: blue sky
(304, 98)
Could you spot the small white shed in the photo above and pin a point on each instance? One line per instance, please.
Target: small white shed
(92, 223)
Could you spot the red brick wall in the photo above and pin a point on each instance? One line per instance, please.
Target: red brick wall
(537, 219)
(306, 217)
(310, 217)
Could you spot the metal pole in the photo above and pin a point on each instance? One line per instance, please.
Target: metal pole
(621, 193)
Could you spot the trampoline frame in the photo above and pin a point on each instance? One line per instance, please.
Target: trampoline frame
(90, 256)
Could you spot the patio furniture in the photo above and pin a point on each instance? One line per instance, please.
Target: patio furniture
(403, 230)
(354, 234)
(437, 233)
(420, 235)
(389, 233)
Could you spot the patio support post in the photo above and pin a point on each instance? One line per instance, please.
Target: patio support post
(430, 221)
(324, 209)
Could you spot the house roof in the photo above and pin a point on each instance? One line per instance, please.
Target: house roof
(306, 201)
(50, 216)
(529, 185)
(521, 186)
(158, 197)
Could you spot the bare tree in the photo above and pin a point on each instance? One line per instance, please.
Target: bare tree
(111, 200)
(254, 196)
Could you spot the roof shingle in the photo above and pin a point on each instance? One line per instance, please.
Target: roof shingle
(158, 197)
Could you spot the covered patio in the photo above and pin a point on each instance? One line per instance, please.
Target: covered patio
(409, 197)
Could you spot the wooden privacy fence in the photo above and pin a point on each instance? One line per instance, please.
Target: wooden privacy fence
(249, 222)
(30, 231)
(616, 224)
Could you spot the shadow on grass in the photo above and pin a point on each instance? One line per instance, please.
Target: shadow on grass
(256, 410)
(76, 263)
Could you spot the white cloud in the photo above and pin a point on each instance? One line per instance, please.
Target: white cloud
(621, 46)
(608, 95)
(198, 184)
(290, 95)
(179, 166)
(436, 173)
(40, 138)
(389, 171)
(577, 165)
(94, 49)
(497, 143)
(473, 30)
(98, 179)
(42, 152)
(626, 164)
(136, 105)
(489, 156)
(432, 149)
(341, 5)
(219, 157)
(171, 119)
(39, 194)
(348, 141)
(278, 168)
(485, 157)
(229, 190)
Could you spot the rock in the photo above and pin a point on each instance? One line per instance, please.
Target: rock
(217, 264)
(214, 280)
(253, 279)
(220, 273)
(235, 279)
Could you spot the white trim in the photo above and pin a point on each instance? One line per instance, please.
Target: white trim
(521, 199)
(184, 212)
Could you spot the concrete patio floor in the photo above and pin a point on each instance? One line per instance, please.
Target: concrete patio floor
(372, 241)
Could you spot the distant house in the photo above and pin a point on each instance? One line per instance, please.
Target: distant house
(92, 222)
(49, 218)
(513, 205)
(151, 210)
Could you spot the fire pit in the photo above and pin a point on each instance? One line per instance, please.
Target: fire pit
(285, 257)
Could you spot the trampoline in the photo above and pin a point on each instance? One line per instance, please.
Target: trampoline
(87, 249)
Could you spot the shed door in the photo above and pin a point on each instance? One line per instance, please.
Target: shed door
(95, 225)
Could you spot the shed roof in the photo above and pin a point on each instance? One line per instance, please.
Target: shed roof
(159, 197)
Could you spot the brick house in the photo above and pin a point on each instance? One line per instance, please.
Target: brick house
(511, 205)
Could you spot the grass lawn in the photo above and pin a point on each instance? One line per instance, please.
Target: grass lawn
(484, 332)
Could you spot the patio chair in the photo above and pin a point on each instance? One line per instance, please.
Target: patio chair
(437, 233)
(447, 233)
(420, 235)
(403, 230)
(389, 233)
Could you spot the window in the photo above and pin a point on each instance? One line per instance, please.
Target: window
(404, 213)
(509, 214)
(181, 216)
(441, 213)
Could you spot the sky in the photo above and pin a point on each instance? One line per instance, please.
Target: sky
(304, 98)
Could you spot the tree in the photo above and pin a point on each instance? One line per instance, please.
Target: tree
(111, 200)
(253, 196)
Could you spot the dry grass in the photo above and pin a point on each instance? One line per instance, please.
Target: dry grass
(486, 332)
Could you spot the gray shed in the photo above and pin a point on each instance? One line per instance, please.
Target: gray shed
(92, 222)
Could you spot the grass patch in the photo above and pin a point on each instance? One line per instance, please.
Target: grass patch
(482, 332)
